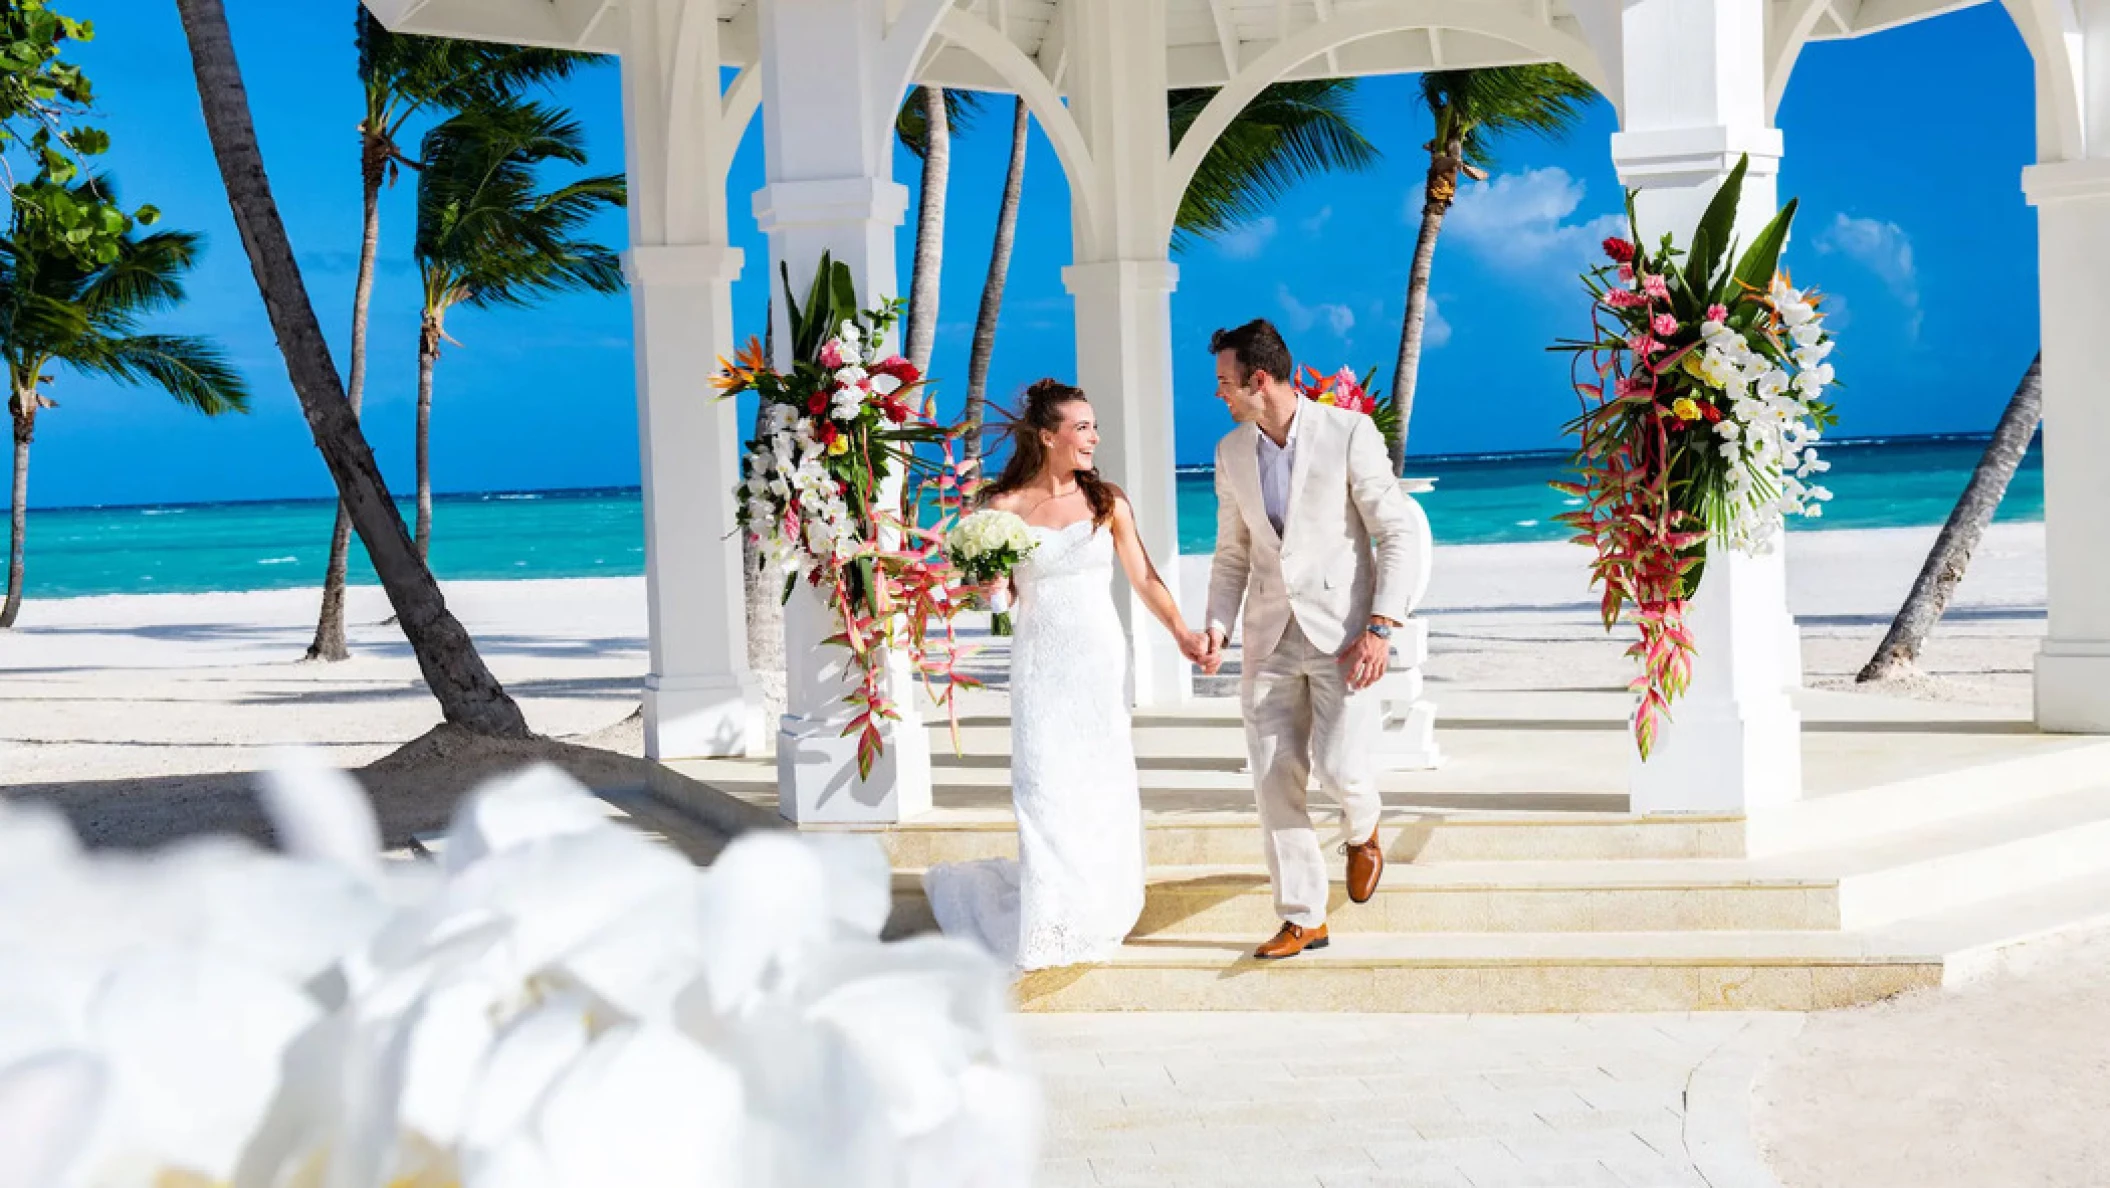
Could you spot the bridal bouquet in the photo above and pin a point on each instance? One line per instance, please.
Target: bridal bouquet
(987, 546)
(825, 493)
(1699, 425)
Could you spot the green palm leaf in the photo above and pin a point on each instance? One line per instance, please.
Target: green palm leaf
(193, 370)
(1543, 100)
(1289, 133)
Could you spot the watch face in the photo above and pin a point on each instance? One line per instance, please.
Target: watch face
(1380, 630)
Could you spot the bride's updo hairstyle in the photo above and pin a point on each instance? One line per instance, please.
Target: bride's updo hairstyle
(1043, 411)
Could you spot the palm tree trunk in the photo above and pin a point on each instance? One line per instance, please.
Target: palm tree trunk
(25, 420)
(428, 358)
(930, 231)
(329, 626)
(1442, 189)
(1899, 652)
(993, 288)
(468, 694)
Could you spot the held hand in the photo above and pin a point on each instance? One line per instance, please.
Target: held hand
(1364, 660)
(1212, 652)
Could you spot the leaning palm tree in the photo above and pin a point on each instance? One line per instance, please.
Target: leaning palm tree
(468, 694)
(1898, 654)
(1471, 109)
(60, 310)
(489, 235)
(925, 126)
(404, 76)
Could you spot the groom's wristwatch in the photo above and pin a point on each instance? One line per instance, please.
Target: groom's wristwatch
(1380, 630)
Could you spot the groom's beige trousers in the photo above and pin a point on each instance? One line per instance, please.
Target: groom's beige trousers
(1301, 718)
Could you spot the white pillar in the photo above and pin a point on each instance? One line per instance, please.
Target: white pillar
(827, 103)
(700, 699)
(2073, 265)
(1694, 75)
(1122, 282)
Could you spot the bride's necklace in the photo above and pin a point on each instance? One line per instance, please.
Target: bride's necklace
(1050, 498)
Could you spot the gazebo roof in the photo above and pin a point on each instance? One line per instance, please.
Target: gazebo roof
(1206, 40)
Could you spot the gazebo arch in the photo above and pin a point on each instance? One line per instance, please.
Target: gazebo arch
(1355, 25)
(999, 53)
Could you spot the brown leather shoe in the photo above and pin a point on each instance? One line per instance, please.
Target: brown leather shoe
(1291, 941)
(1366, 864)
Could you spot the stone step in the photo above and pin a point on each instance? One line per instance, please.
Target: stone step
(1572, 973)
(2054, 767)
(1233, 838)
(1638, 896)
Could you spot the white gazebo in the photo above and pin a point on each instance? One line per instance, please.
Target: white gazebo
(1695, 83)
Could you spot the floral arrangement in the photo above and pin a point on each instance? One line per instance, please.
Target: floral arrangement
(826, 493)
(987, 546)
(556, 1001)
(1702, 410)
(1343, 390)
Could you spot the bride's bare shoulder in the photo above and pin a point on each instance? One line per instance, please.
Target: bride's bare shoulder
(1004, 501)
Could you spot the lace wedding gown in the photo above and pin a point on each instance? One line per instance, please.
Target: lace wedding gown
(1077, 886)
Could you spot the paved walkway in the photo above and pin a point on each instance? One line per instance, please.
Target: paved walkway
(1348, 1101)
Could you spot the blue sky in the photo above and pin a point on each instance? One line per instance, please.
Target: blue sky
(1907, 165)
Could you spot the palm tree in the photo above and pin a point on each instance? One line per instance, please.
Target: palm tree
(1471, 108)
(488, 236)
(404, 76)
(925, 126)
(983, 348)
(468, 694)
(1898, 654)
(58, 309)
(1290, 132)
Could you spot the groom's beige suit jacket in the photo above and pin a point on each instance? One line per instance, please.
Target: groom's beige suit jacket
(1347, 546)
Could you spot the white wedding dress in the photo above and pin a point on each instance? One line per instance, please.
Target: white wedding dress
(1077, 886)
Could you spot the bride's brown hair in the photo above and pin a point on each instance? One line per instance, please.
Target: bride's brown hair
(1042, 410)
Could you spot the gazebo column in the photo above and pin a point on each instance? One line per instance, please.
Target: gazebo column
(827, 112)
(1695, 102)
(2073, 266)
(1122, 283)
(700, 698)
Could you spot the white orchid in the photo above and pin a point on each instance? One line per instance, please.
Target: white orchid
(559, 1003)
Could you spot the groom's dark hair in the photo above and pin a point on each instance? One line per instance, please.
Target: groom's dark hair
(1257, 346)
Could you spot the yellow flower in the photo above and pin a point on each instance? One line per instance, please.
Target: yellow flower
(839, 446)
(1684, 409)
(1694, 366)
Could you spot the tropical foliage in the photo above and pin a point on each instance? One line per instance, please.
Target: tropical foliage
(1702, 405)
(59, 309)
(489, 233)
(1343, 390)
(1290, 133)
(825, 493)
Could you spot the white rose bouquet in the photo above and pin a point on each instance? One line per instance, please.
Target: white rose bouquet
(988, 546)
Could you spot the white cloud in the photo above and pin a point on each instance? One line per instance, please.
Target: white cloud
(1301, 317)
(1249, 240)
(1884, 249)
(1317, 222)
(1526, 220)
(1435, 332)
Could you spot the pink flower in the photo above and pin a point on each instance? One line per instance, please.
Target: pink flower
(1626, 274)
(1655, 286)
(1717, 313)
(832, 355)
(1628, 386)
(1665, 324)
(1624, 299)
(1643, 345)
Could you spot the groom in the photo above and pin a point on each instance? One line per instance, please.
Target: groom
(1313, 536)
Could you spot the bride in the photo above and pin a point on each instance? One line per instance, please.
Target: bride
(1077, 886)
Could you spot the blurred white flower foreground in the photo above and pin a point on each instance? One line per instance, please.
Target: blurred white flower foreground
(557, 1003)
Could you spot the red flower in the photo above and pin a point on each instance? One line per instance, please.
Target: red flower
(817, 403)
(1710, 412)
(895, 410)
(1619, 249)
(829, 433)
(898, 367)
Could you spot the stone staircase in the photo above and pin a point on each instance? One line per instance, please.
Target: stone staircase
(1514, 884)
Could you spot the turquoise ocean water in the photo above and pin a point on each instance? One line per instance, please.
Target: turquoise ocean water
(193, 548)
